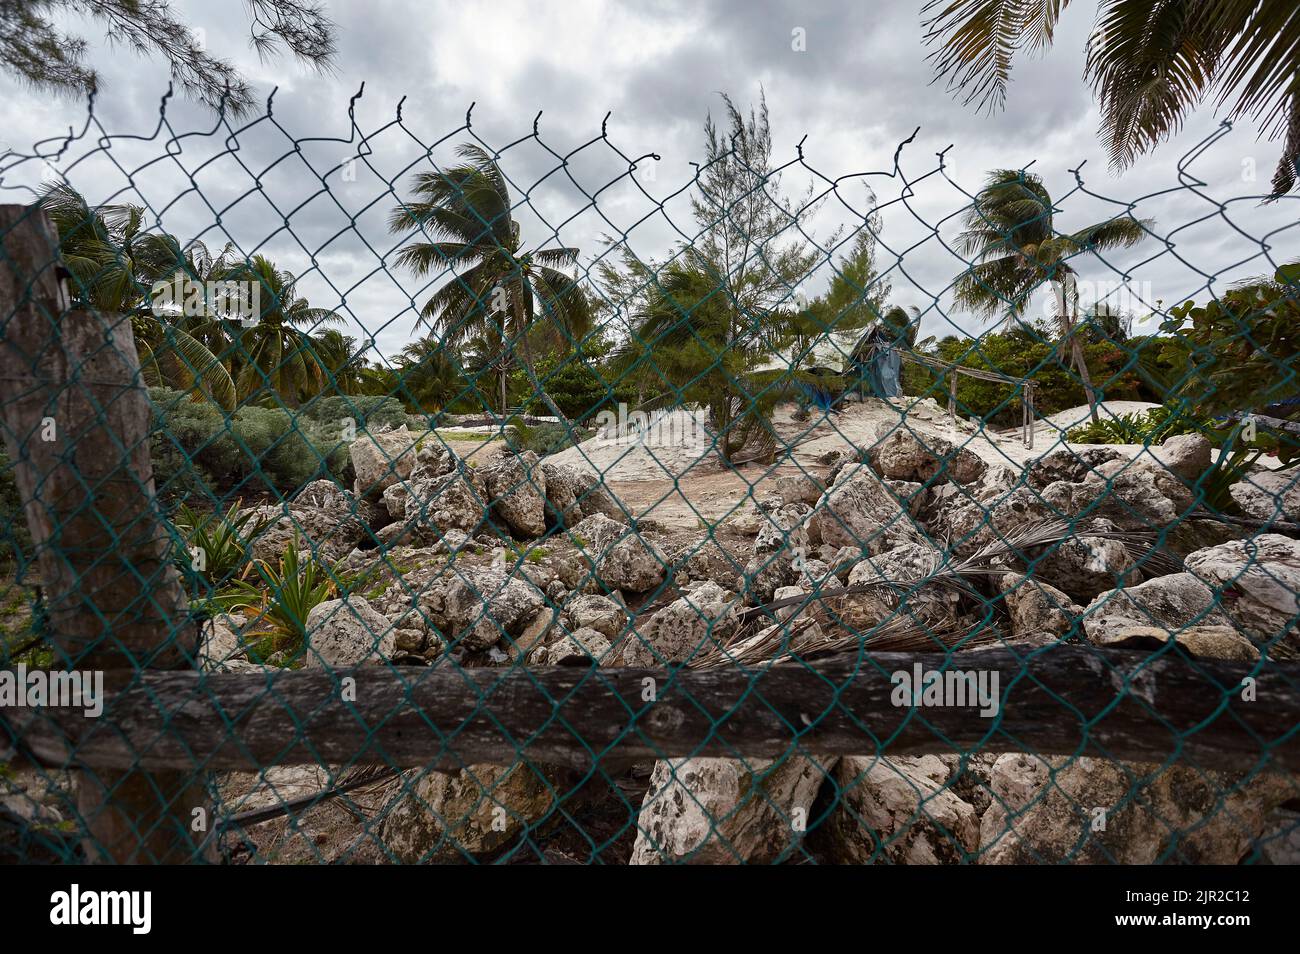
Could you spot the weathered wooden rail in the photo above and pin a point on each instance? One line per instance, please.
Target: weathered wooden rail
(954, 371)
(1068, 701)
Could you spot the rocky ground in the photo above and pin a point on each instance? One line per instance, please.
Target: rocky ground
(572, 572)
(567, 570)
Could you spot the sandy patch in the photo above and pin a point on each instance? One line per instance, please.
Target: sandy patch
(684, 485)
(1073, 417)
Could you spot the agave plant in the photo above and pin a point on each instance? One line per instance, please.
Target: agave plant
(222, 539)
(282, 598)
(1230, 466)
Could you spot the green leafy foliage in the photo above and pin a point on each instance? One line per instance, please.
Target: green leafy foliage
(707, 323)
(367, 411)
(200, 450)
(582, 381)
(428, 377)
(223, 538)
(1230, 466)
(1161, 363)
(1244, 346)
(278, 599)
(543, 438)
(500, 291)
(1146, 427)
(1026, 352)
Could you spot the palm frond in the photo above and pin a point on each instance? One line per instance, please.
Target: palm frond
(424, 258)
(978, 40)
(1121, 232)
(196, 368)
(902, 632)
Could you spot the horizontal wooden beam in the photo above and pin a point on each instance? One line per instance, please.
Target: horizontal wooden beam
(1064, 701)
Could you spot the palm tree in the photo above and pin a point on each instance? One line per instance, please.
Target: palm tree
(1010, 235)
(342, 359)
(274, 354)
(114, 264)
(1150, 62)
(497, 286)
(376, 379)
(1105, 323)
(902, 324)
(428, 376)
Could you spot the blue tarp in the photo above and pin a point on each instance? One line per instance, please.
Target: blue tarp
(880, 366)
(819, 397)
(890, 366)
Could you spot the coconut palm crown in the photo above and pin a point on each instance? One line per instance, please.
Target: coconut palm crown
(463, 219)
(1010, 236)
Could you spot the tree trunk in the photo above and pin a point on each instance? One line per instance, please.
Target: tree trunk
(1076, 350)
(115, 599)
(1082, 366)
(501, 382)
(522, 330)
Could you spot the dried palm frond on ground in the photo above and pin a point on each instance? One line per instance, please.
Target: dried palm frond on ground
(983, 563)
(816, 623)
(358, 777)
(750, 645)
(807, 637)
(1017, 544)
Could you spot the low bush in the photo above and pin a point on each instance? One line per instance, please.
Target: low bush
(543, 438)
(364, 411)
(1146, 427)
(200, 450)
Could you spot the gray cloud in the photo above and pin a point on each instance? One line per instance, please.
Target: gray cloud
(861, 87)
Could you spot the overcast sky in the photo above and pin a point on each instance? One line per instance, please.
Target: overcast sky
(855, 92)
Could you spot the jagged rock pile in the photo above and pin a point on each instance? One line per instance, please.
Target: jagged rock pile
(526, 562)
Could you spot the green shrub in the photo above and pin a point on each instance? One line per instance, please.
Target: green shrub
(580, 381)
(287, 451)
(200, 450)
(1146, 427)
(1243, 351)
(544, 438)
(367, 411)
(1162, 363)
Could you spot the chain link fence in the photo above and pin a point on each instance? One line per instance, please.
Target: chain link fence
(682, 543)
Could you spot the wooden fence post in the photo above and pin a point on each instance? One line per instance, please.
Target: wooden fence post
(1027, 423)
(76, 423)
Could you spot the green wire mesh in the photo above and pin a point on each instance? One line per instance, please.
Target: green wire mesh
(851, 486)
